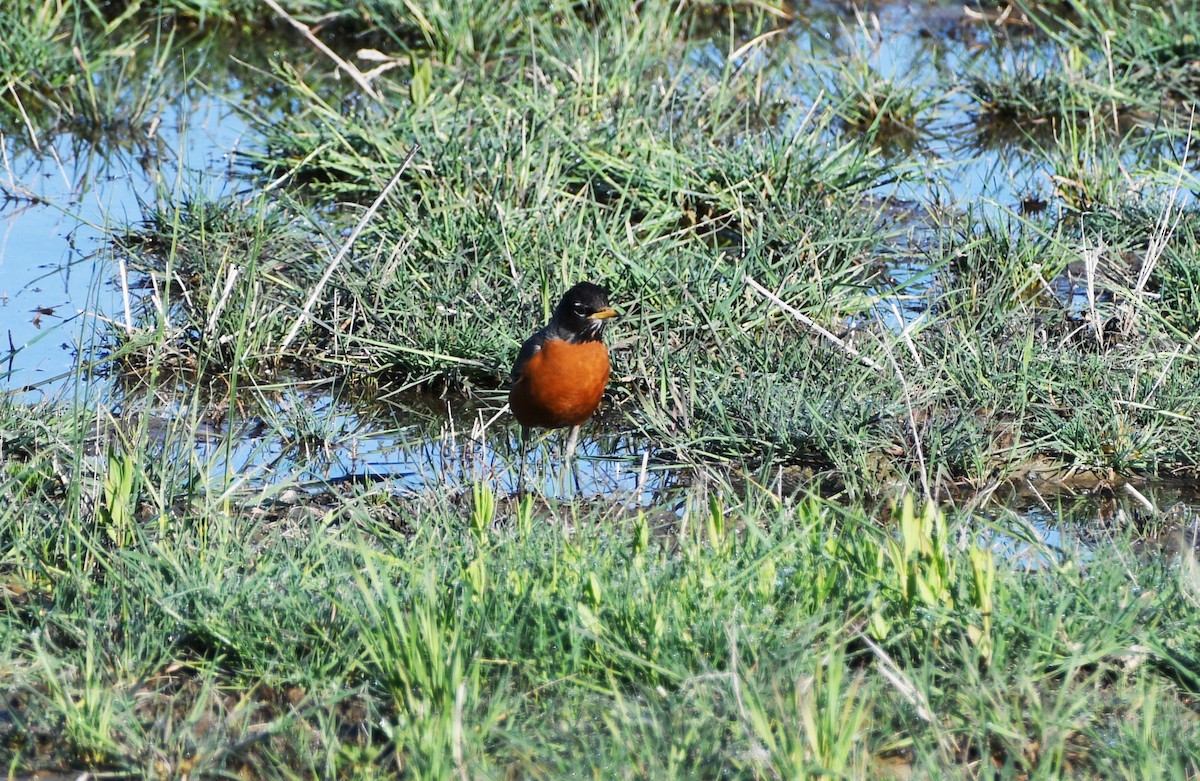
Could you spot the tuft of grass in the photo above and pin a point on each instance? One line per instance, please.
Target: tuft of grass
(887, 111)
(66, 68)
(219, 278)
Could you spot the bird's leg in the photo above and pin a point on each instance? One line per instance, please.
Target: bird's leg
(572, 441)
(521, 465)
(569, 458)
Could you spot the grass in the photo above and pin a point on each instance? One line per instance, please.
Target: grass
(150, 634)
(207, 569)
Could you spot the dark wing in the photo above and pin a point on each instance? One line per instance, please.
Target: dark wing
(528, 350)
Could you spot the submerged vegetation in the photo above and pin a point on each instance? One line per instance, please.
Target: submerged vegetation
(844, 346)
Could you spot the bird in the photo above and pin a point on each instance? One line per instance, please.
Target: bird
(561, 371)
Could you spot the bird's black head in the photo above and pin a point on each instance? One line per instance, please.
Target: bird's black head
(582, 313)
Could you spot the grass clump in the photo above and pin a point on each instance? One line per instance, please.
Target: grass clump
(628, 178)
(64, 67)
(1032, 95)
(1097, 97)
(674, 187)
(676, 170)
(1152, 49)
(1039, 345)
(892, 110)
(221, 277)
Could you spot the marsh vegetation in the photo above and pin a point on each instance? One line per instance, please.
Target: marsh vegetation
(889, 278)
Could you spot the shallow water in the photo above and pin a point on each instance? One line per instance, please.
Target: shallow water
(61, 204)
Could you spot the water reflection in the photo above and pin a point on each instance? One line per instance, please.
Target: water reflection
(1059, 521)
(315, 439)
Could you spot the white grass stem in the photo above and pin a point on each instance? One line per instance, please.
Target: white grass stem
(811, 324)
(349, 68)
(337, 259)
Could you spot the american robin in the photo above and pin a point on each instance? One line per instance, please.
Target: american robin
(560, 373)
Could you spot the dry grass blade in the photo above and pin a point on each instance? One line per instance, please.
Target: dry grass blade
(349, 68)
(337, 259)
(812, 324)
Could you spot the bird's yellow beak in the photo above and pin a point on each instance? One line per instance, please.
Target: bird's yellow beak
(603, 314)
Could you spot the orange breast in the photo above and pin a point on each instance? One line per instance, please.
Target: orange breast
(561, 385)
